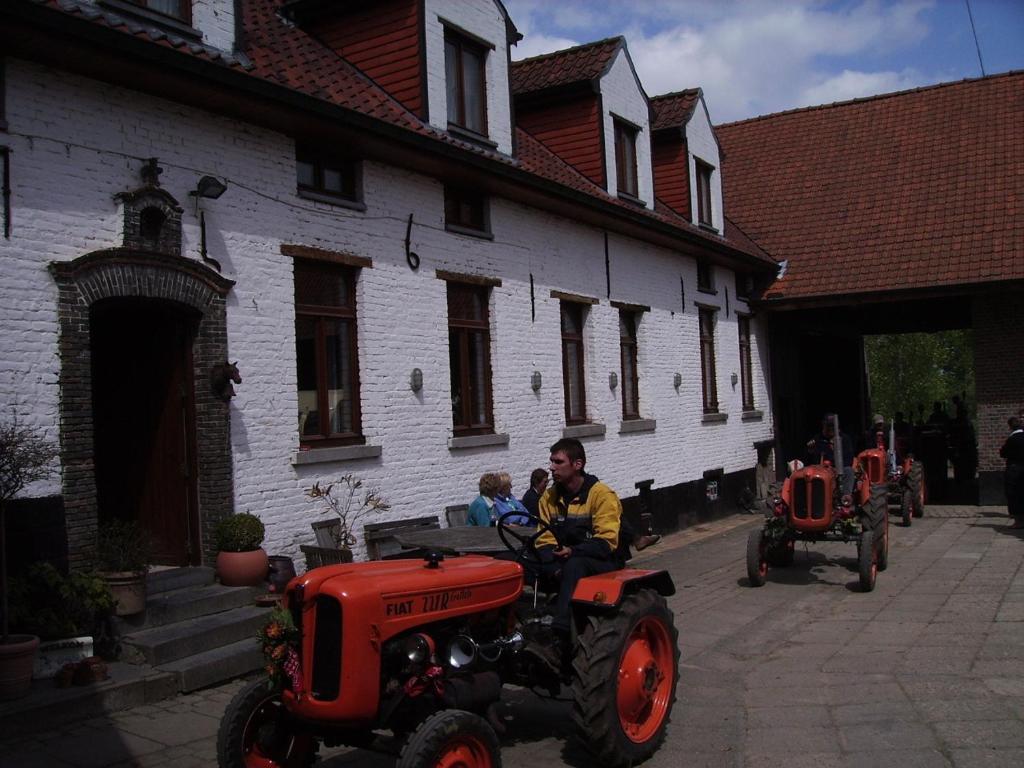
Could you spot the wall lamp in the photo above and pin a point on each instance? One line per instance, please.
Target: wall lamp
(416, 380)
(211, 188)
(677, 380)
(734, 378)
(613, 380)
(535, 381)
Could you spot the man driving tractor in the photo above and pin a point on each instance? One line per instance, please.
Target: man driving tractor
(586, 517)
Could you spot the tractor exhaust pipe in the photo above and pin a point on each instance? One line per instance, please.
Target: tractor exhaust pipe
(892, 448)
(837, 443)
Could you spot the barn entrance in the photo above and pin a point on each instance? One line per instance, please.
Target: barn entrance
(925, 382)
(847, 358)
(144, 422)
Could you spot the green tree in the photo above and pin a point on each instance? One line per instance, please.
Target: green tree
(912, 370)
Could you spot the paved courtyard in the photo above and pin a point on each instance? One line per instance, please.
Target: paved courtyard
(928, 670)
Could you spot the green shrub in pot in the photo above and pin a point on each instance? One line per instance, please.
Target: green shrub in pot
(239, 533)
(241, 561)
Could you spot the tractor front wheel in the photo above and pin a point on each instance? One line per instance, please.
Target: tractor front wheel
(878, 521)
(867, 561)
(451, 738)
(258, 732)
(757, 561)
(915, 482)
(907, 507)
(625, 673)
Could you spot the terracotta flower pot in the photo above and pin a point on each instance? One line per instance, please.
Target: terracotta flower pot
(128, 589)
(16, 658)
(242, 569)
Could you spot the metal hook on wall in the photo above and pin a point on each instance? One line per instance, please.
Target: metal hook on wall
(410, 256)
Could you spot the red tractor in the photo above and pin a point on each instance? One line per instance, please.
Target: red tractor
(812, 507)
(904, 480)
(423, 647)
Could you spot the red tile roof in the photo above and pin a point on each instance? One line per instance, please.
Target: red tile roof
(279, 52)
(572, 65)
(673, 110)
(904, 191)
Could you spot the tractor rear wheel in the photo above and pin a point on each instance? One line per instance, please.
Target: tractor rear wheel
(757, 562)
(915, 482)
(258, 732)
(625, 673)
(867, 561)
(451, 738)
(907, 507)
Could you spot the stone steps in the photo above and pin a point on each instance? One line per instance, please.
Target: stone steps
(202, 670)
(194, 629)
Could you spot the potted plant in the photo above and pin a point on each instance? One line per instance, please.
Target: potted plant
(123, 551)
(343, 503)
(65, 611)
(25, 458)
(241, 561)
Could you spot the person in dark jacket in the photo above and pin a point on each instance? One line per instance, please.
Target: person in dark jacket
(822, 448)
(538, 484)
(1013, 452)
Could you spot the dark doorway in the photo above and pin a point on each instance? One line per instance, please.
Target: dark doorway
(144, 422)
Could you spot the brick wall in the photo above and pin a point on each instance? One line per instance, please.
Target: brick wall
(76, 144)
(999, 382)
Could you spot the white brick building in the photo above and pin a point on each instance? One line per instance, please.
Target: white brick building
(112, 328)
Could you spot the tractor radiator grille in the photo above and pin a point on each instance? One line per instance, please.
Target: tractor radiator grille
(800, 499)
(808, 504)
(327, 651)
(817, 499)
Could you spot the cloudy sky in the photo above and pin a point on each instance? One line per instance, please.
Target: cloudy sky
(753, 57)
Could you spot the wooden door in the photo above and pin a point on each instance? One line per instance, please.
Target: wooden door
(144, 423)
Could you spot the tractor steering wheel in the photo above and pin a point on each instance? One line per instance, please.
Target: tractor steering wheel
(524, 544)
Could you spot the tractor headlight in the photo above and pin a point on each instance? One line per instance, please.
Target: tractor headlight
(779, 507)
(418, 648)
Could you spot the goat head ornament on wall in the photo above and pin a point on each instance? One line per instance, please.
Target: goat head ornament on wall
(221, 378)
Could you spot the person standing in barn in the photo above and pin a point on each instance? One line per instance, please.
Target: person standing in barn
(1013, 452)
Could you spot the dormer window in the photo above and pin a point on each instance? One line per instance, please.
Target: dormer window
(176, 9)
(704, 215)
(625, 158)
(466, 83)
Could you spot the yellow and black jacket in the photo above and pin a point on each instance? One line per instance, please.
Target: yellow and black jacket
(587, 522)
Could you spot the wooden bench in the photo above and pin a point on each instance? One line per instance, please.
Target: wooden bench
(380, 537)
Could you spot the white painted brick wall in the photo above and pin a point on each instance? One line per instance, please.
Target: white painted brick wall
(700, 138)
(216, 20)
(483, 19)
(622, 96)
(75, 143)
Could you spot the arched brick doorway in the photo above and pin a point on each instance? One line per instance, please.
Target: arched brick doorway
(176, 307)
